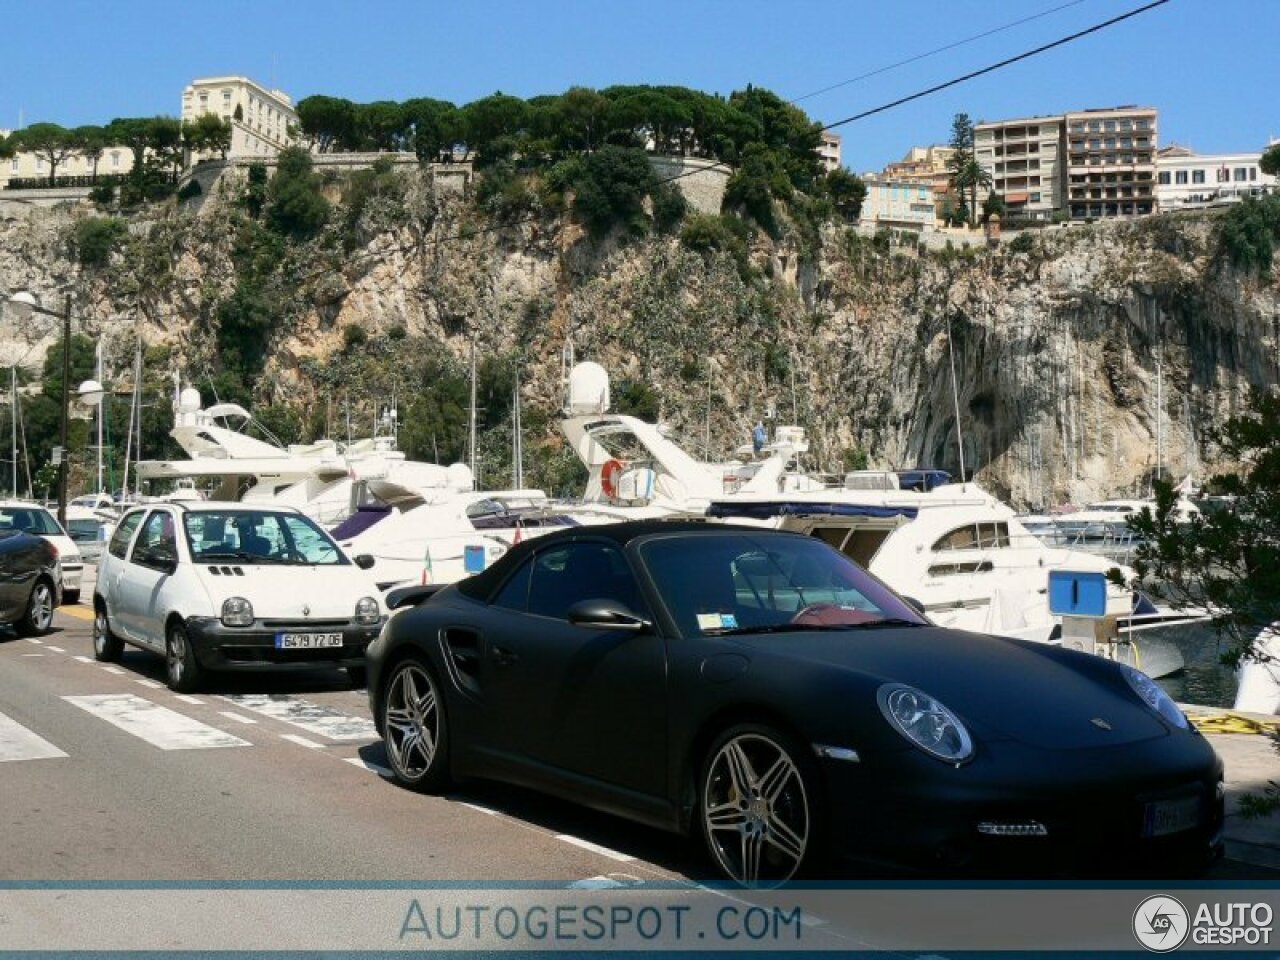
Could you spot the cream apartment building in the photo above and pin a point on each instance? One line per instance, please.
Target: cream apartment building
(263, 122)
(829, 151)
(1184, 177)
(900, 204)
(1111, 162)
(1025, 160)
(929, 166)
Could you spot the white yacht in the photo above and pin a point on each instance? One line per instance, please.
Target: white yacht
(956, 550)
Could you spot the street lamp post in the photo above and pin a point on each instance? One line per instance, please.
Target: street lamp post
(23, 305)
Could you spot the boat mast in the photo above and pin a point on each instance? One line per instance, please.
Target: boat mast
(471, 442)
(517, 444)
(101, 407)
(955, 397)
(1159, 413)
(13, 424)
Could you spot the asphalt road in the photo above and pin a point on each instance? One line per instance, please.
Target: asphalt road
(107, 775)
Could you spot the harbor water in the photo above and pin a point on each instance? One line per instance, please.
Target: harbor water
(1205, 681)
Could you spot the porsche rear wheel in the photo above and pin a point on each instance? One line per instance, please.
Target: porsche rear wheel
(413, 725)
(38, 616)
(757, 806)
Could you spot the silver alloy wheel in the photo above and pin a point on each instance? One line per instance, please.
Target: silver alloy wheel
(176, 656)
(100, 632)
(41, 607)
(755, 811)
(411, 721)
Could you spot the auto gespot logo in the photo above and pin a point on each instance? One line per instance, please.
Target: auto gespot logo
(1161, 924)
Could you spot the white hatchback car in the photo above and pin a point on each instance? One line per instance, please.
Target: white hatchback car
(227, 586)
(36, 519)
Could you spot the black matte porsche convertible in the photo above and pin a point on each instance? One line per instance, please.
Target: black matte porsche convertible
(761, 690)
(30, 582)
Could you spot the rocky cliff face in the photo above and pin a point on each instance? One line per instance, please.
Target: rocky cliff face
(1074, 359)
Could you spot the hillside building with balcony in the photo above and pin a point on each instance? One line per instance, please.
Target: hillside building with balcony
(898, 204)
(1111, 162)
(829, 151)
(1025, 161)
(1186, 178)
(927, 166)
(263, 122)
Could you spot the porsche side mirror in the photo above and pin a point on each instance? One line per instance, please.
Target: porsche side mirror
(364, 561)
(601, 614)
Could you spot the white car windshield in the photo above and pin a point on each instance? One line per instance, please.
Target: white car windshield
(253, 536)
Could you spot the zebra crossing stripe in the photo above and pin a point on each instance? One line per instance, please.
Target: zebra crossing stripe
(19, 743)
(311, 717)
(157, 725)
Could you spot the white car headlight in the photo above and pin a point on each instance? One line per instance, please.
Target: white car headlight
(237, 612)
(925, 722)
(1154, 697)
(367, 610)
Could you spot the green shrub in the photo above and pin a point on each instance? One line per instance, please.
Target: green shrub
(612, 187)
(669, 207)
(354, 335)
(1249, 233)
(1022, 243)
(297, 207)
(104, 194)
(96, 237)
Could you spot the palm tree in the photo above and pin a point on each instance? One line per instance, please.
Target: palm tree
(968, 176)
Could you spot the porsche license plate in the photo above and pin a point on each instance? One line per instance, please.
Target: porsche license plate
(1171, 816)
(307, 641)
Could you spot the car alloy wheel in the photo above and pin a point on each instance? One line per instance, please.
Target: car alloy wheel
(755, 809)
(39, 615)
(106, 645)
(181, 668)
(413, 727)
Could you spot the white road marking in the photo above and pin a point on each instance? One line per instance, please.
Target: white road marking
(38, 643)
(56, 649)
(477, 807)
(83, 659)
(302, 741)
(19, 743)
(148, 683)
(311, 717)
(186, 698)
(377, 768)
(159, 726)
(237, 717)
(32, 654)
(116, 670)
(594, 847)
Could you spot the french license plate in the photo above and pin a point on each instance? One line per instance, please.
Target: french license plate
(307, 641)
(1171, 816)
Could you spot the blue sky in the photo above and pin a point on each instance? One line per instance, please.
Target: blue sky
(1208, 65)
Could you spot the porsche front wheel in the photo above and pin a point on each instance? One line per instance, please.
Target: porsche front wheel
(413, 725)
(757, 806)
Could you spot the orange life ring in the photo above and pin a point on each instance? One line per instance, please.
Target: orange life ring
(609, 477)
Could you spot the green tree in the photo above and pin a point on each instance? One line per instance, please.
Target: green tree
(255, 192)
(992, 206)
(968, 176)
(1250, 232)
(1228, 560)
(330, 123)
(847, 193)
(493, 125)
(612, 188)
(49, 141)
(208, 132)
(752, 187)
(1270, 162)
(381, 125)
(434, 126)
(90, 143)
(581, 117)
(296, 207)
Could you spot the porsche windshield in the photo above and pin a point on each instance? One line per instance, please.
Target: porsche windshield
(244, 536)
(731, 582)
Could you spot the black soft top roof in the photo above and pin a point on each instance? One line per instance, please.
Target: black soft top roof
(482, 585)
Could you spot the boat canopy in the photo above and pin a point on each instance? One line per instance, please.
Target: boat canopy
(762, 510)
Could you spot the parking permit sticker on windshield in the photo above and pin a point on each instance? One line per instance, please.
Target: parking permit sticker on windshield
(717, 621)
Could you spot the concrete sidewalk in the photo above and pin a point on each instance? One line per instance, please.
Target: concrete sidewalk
(1252, 760)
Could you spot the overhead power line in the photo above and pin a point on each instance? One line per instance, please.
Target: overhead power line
(950, 46)
(998, 66)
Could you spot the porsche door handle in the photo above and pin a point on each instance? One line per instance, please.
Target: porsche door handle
(503, 657)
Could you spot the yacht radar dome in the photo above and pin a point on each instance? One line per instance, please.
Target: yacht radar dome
(459, 477)
(588, 389)
(189, 400)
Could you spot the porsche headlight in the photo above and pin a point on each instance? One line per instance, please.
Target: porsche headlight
(925, 722)
(237, 612)
(1155, 698)
(367, 610)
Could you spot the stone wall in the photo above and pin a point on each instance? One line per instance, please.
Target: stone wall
(701, 181)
